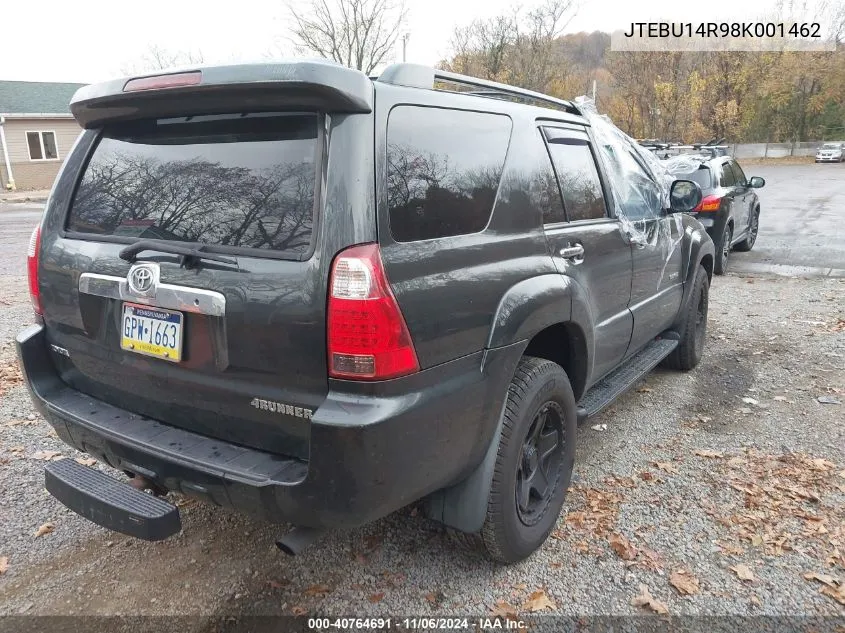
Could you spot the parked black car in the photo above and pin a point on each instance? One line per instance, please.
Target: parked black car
(307, 295)
(730, 208)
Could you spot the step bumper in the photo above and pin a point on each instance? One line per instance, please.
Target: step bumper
(111, 503)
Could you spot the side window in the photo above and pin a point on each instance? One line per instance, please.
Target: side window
(543, 187)
(577, 175)
(738, 174)
(726, 177)
(443, 170)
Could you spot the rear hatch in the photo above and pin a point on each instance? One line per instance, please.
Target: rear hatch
(183, 273)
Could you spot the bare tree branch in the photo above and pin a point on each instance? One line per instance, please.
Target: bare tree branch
(356, 33)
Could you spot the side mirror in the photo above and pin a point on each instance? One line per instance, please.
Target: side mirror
(684, 196)
(756, 182)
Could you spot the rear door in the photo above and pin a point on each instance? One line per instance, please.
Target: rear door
(232, 347)
(743, 198)
(588, 245)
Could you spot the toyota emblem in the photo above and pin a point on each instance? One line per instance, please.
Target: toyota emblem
(142, 278)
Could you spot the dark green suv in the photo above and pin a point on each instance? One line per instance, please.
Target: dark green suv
(316, 297)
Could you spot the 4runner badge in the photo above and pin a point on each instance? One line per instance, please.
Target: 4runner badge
(280, 407)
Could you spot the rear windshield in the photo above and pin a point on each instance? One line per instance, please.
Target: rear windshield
(701, 176)
(236, 181)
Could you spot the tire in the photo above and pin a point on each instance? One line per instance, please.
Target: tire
(540, 404)
(692, 327)
(723, 250)
(748, 243)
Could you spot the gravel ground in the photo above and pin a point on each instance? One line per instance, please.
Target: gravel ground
(698, 479)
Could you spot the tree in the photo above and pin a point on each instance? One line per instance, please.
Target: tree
(356, 33)
(159, 58)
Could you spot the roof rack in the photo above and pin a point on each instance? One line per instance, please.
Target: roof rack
(418, 76)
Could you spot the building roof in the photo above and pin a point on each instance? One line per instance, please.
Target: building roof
(36, 97)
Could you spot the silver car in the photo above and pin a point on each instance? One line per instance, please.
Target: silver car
(831, 153)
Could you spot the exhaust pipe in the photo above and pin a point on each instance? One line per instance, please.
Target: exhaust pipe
(298, 539)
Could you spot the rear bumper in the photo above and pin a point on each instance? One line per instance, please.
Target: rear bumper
(374, 448)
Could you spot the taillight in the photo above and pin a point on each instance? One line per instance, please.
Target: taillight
(159, 82)
(32, 269)
(367, 335)
(709, 203)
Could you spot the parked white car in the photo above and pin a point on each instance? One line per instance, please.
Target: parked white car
(831, 153)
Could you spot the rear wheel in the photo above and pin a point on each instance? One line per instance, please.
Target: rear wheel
(693, 326)
(534, 461)
(723, 250)
(748, 243)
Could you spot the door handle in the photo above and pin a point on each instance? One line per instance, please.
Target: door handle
(575, 252)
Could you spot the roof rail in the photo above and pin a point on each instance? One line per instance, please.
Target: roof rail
(418, 76)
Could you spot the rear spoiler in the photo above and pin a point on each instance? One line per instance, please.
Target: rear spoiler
(305, 85)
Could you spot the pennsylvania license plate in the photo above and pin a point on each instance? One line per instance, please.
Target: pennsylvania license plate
(152, 331)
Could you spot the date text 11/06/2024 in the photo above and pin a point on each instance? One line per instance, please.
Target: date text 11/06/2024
(410, 624)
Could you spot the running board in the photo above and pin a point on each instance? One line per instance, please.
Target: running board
(625, 376)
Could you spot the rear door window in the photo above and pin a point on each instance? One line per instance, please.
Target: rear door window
(443, 170)
(240, 181)
(577, 174)
(726, 177)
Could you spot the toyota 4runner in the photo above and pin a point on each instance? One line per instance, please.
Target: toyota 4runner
(317, 297)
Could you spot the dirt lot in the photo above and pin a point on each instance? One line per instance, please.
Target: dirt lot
(719, 491)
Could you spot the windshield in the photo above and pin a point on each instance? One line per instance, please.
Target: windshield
(236, 181)
(831, 146)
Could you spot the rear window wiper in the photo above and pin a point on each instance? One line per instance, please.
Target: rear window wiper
(188, 253)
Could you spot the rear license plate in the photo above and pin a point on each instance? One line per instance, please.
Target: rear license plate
(152, 331)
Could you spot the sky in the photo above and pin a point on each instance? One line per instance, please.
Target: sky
(95, 40)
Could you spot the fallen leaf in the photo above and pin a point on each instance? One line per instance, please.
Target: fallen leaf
(743, 572)
(756, 601)
(504, 610)
(645, 599)
(317, 590)
(746, 411)
(376, 597)
(756, 540)
(622, 546)
(298, 610)
(47, 456)
(4, 564)
(599, 427)
(21, 422)
(684, 582)
(538, 601)
(278, 584)
(435, 597)
(747, 400)
(44, 529)
(836, 594)
(646, 476)
(783, 399)
(645, 390)
(666, 467)
(708, 453)
(828, 400)
(85, 461)
(830, 581)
